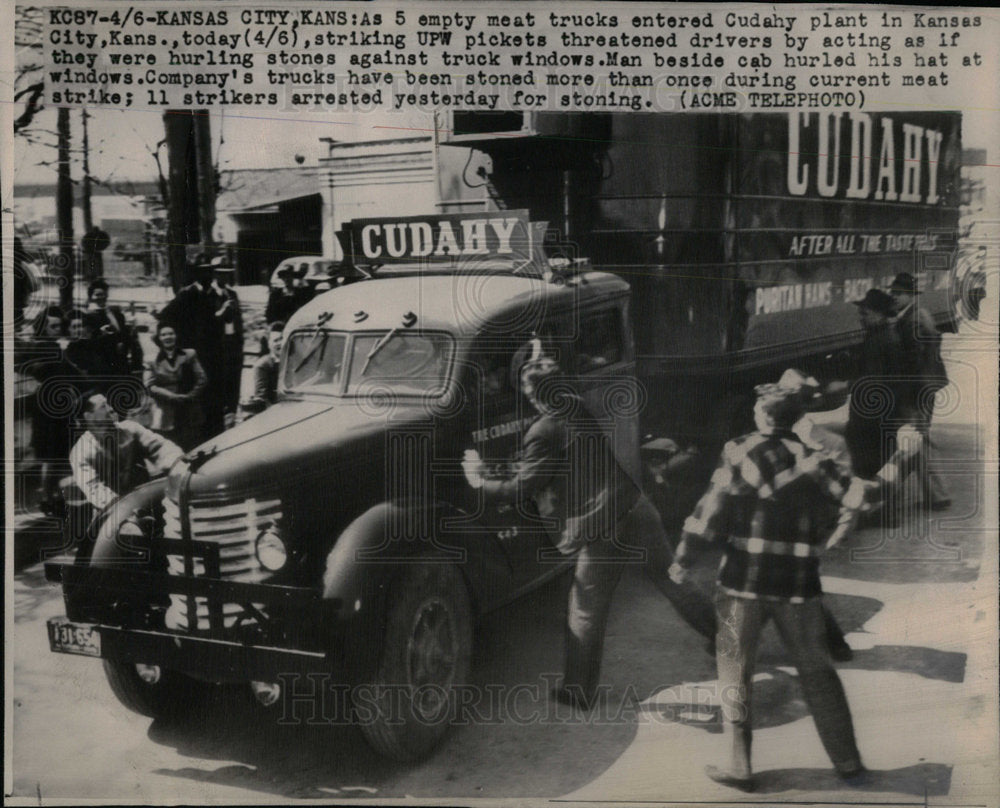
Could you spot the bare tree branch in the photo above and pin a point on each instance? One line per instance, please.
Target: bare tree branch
(31, 106)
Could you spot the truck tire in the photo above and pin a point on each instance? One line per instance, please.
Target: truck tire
(173, 695)
(407, 710)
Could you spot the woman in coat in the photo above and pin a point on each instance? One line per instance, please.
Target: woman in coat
(175, 381)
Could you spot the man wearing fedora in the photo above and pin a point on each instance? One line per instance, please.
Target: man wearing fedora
(193, 312)
(922, 366)
(879, 402)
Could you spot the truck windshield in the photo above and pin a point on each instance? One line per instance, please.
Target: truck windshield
(314, 361)
(408, 363)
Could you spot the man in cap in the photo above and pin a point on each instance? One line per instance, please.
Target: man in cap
(923, 371)
(567, 468)
(765, 504)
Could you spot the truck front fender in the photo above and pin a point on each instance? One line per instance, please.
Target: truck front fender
(364, 562)
(372, 549)
(109, 547)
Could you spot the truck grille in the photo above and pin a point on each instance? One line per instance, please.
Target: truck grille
(225, 536)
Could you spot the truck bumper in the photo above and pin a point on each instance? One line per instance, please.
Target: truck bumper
(204, 658)
(117, 614)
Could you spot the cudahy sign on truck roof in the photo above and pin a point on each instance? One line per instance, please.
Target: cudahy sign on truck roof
(506, 238)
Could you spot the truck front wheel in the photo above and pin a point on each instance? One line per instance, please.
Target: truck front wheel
(406, 711)
(150, 690)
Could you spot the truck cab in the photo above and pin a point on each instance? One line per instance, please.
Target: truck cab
(335, 532)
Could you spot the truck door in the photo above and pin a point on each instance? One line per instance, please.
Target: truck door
(499, 420)
(596, 350)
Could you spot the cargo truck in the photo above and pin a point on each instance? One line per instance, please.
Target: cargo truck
(670, 262)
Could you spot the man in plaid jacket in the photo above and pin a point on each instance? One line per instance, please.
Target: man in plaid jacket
(766, 502)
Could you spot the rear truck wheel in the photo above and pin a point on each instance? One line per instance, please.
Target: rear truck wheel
(151, 690)
(425, 659)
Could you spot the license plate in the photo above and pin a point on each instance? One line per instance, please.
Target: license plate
(74, 638)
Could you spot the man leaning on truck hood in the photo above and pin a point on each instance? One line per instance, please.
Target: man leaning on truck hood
(112, 457)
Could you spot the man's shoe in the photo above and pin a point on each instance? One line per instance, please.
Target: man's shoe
(725, 778)
(572, 698)
(855, 777)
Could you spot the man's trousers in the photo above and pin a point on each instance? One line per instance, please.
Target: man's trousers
(801, 626)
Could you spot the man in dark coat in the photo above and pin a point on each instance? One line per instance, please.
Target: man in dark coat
(880, 403)
(284, 302)
(193, 313)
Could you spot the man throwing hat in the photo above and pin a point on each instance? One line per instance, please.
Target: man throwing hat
(766, 504)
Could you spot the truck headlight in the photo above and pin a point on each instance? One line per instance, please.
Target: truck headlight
(271, 551)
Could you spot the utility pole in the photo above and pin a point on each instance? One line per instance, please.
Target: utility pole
(64, 212)
(206, 177)
(88, 216)
(182, 182)
(191, 183)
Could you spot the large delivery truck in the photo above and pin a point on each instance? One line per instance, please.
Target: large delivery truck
(671, 262)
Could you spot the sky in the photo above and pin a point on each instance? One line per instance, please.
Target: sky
(121, 140)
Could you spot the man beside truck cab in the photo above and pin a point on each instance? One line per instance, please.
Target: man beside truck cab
(765, 503)
(920, 343)
(568, 470)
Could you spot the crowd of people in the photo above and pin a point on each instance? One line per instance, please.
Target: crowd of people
(186, 392)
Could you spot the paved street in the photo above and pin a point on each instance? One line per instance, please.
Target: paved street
(919, 604)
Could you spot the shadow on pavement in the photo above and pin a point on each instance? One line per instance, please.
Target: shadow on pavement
(777, 700)
(922, 780)
(517, 742)
(946, 666)
(545, 749)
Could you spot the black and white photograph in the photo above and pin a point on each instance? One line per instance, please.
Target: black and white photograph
(458, 404)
